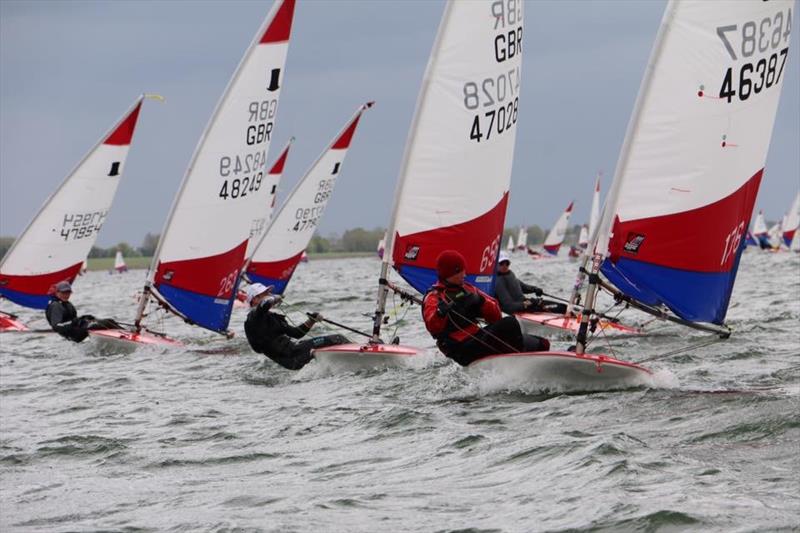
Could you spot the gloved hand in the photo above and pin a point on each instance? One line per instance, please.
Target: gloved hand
(443, 308)
(537, 291)
(316, 317)
(86, 317)
(473, 301)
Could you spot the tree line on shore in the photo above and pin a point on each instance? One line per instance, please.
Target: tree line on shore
(352, 240)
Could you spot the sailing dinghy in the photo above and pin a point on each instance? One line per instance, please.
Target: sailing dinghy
(55, 244)
(277, 254)
(453, 183)
(119, 263)
(555, 237)
(792, 222)
(547, 324)
(196, 268)
(691, 164)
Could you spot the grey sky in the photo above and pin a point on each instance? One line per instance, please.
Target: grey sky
(69, 69)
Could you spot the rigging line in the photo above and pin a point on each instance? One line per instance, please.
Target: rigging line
(707, 342)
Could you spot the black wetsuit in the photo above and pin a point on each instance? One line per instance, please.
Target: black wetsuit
(269, 333)
(510, 293)
(63, 318)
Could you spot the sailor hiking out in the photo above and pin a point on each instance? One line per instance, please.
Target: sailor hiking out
(452, 307)
(270, 333)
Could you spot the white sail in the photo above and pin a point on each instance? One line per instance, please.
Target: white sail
(522, 238)
(273, 180)
(452, 190)
(556, 235)
(56, 243)
(760, 225)
(583, 238)
(196, 268)
(280, 250)
(694, 155)
(119, 262)
(792, 222)
(510, 247)
(594, 213)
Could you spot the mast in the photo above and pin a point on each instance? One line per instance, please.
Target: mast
(599, 241)
(383, 290)
(255, 42)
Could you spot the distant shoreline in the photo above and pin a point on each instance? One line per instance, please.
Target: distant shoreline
(143, 263)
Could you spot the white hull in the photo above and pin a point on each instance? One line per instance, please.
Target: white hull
(560, 371)
(355, 357)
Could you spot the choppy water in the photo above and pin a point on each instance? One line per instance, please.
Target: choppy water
(188, 440)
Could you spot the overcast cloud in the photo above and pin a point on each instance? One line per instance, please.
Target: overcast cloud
(68, 70)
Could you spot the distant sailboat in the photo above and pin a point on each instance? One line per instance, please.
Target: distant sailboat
(272, 183)
(452, 189)
(792, 221)
(221, 201)
(119, 263)
(692, 162)
(283, 245)
(510, 246)
(760, 231)
(54, 246)
(522, 238)
(556, 235)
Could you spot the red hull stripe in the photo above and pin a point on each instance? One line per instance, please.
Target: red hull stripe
(123, 135)
(214, 276)
(471, 238)
(280, 29)
(672, 240)
(343, 142)
(277, 167)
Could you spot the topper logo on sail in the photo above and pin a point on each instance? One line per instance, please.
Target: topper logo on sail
(633, 242)
(412, 251)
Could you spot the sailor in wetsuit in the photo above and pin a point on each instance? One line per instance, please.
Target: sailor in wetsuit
(64, 319)
(511, 291)
(269, 333)
(452, 307)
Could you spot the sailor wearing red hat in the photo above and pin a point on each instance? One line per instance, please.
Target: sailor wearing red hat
(452, 307)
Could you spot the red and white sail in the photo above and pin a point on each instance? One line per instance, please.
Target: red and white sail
(694, 154)
(556, 235)
(273, 182)
(119, 262)
(792, 221)
(222, 198)
(280, 250)
(453, 185)
(56, 243)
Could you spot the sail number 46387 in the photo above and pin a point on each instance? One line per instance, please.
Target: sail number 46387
(755, 38)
